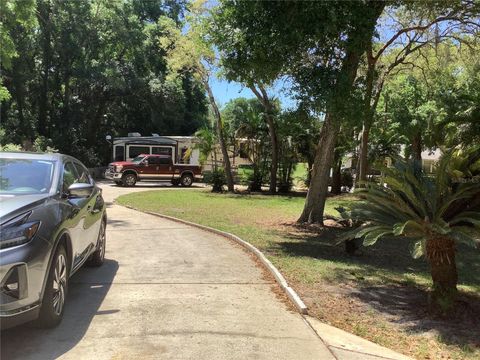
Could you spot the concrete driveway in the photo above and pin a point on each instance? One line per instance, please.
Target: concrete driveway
(171, 291)
(168, 291)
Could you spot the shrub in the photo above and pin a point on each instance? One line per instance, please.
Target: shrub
(436, 211)
(216, 178)
(10, 147)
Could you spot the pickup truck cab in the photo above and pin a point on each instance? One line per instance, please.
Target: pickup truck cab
(146, 167)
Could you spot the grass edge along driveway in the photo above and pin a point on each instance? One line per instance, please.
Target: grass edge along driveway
(359, 294)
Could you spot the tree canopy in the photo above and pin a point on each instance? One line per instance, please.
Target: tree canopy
(75, 71)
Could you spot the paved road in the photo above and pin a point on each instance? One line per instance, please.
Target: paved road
(168, 291)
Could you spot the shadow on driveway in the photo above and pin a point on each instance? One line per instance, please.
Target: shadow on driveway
(87, 290)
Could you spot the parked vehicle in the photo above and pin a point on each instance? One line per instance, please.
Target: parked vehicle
(182, 149)
(147, 167)
(52, 221)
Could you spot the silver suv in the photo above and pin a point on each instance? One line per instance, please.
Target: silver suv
(52, 221)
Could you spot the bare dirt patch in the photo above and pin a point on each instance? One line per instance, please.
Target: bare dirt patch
(393, 313)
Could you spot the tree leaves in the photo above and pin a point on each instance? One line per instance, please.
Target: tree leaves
(90, 68)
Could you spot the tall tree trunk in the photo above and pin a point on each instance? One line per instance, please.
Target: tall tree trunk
(368, 112)
(337, 176)
(357, 166)
(317, 192)
(19, 93)
(363, 154)
(274, 166)
(309, 172)
(44, 11)
(215, 160)
(440, 252)
(66, 119)
(262, 95)
(357, 43)
(255, 184)
(221, 138)
(94, 122)
(417, 147)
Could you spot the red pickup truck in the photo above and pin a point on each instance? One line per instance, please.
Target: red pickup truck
(152, 168)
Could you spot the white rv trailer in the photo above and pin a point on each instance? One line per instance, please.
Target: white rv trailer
(128, 147)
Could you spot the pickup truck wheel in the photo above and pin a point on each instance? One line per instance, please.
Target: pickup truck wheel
(186, 180)
(129, 180)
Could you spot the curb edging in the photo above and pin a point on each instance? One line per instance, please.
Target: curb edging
(291, 294)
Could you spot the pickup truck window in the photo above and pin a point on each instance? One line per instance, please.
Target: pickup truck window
(138, 159)
(156, 160)
(165, 161)
(153, 160)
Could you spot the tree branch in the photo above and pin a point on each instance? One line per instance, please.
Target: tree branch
(448, 17)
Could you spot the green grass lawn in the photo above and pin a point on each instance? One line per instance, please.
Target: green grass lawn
(299, 174)
(338, 289)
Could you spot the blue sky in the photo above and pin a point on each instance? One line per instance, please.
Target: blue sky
(225, 91)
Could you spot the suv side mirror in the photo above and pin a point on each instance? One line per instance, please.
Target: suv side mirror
(79, 190)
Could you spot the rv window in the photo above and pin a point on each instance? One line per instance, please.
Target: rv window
(162, 150)
(119, 153)
(134, 151)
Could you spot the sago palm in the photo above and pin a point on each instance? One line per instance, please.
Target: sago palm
(437, 211)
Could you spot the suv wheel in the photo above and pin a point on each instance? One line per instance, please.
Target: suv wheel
(53, 303)
(98, 256)
(186, 180)
(129, 179)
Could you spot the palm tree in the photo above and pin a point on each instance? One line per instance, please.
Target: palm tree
(252, 127)
(436, 211)
(206, 145)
